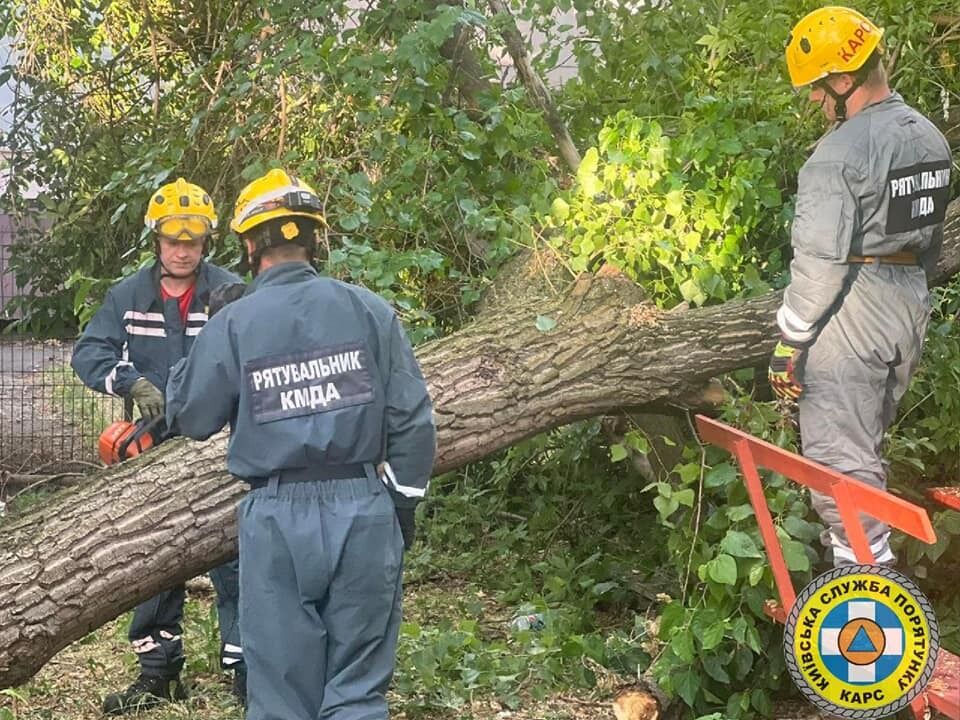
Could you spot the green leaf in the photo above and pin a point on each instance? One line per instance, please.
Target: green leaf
(713, 636)
(682, 645)
(349, 222)
(545, 324)
(665, 506)
(795, 554)
(617, 453)
(673, 202)
(739, 544)
(723, 569)
(687, 684)
(742, 662)
(691, 291)
(761, 702)
(714, 668)
(736, 513)
(938, 548)
(800, 529)
(685, 497)
(672, 616)
(720, 475)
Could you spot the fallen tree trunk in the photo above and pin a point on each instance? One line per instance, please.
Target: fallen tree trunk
(93, 551)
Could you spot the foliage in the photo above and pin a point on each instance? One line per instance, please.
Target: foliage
(720, 647)
(652, 58)
(354, 100)
(925, 438)
(676, 212)
(549, 526)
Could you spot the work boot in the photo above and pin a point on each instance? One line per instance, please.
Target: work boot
(146, 693)
(239, 688)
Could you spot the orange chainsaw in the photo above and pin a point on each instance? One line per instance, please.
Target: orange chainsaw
(123, 439)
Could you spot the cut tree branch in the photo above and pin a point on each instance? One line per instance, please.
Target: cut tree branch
(534, 85)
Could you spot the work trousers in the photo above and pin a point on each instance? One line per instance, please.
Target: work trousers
(320, 590)
(854, 376)
(155, 631)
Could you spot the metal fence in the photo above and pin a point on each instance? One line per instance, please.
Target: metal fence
(49, 422)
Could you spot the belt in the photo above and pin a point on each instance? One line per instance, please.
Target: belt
(897, 258)
(314, 474)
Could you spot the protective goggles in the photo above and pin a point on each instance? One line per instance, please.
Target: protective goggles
(184, 227)
(301, 201)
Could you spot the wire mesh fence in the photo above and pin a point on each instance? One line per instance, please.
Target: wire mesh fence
(49, 422)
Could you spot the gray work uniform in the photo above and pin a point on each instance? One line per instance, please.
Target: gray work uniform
(319, 383)
(136, 334)
(877, 185)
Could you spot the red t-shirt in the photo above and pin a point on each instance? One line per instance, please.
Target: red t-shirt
(183, 300)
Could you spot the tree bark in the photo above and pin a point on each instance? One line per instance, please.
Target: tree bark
(93, 551)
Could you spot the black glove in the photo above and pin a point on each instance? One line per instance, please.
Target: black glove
(408, 525)
(223, 295)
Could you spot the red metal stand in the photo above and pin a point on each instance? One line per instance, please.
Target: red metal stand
(852, 497)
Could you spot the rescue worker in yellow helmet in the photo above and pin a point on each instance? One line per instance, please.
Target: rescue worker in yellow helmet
(869, 218)
(182, 218)
(834, 49)
(147, 322)
(332, 428)
(277, 196)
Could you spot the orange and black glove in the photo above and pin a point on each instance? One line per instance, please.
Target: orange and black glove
(785, 366)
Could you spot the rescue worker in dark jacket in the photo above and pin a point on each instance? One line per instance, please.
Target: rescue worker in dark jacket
(332, 427)
(869, 221)
(146, 324)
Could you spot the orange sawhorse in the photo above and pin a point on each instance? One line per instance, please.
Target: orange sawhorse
(852, 497)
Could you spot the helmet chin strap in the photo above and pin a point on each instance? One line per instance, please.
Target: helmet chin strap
(165, 272)
(840, 101)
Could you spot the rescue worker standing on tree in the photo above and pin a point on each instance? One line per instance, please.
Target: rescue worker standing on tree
(332, 427)
(146, 324)
(869, 221)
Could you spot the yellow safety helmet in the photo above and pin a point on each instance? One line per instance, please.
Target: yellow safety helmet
(181, 211)
(275, 195)
(830, 40)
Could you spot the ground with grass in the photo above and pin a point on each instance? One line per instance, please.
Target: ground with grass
(72, 685)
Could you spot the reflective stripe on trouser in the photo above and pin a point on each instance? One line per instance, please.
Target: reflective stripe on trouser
(226, 581)
(854, 376)
(155, 634)
(157, 625)
(320, 590)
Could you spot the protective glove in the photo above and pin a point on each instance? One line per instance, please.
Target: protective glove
(223, 295)
(148, 398)
(408, 525)
(785, 366)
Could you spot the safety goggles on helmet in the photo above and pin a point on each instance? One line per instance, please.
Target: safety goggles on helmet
(295, 201)
(184, 227)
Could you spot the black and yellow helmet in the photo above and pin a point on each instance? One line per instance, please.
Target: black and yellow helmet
(272, 196)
